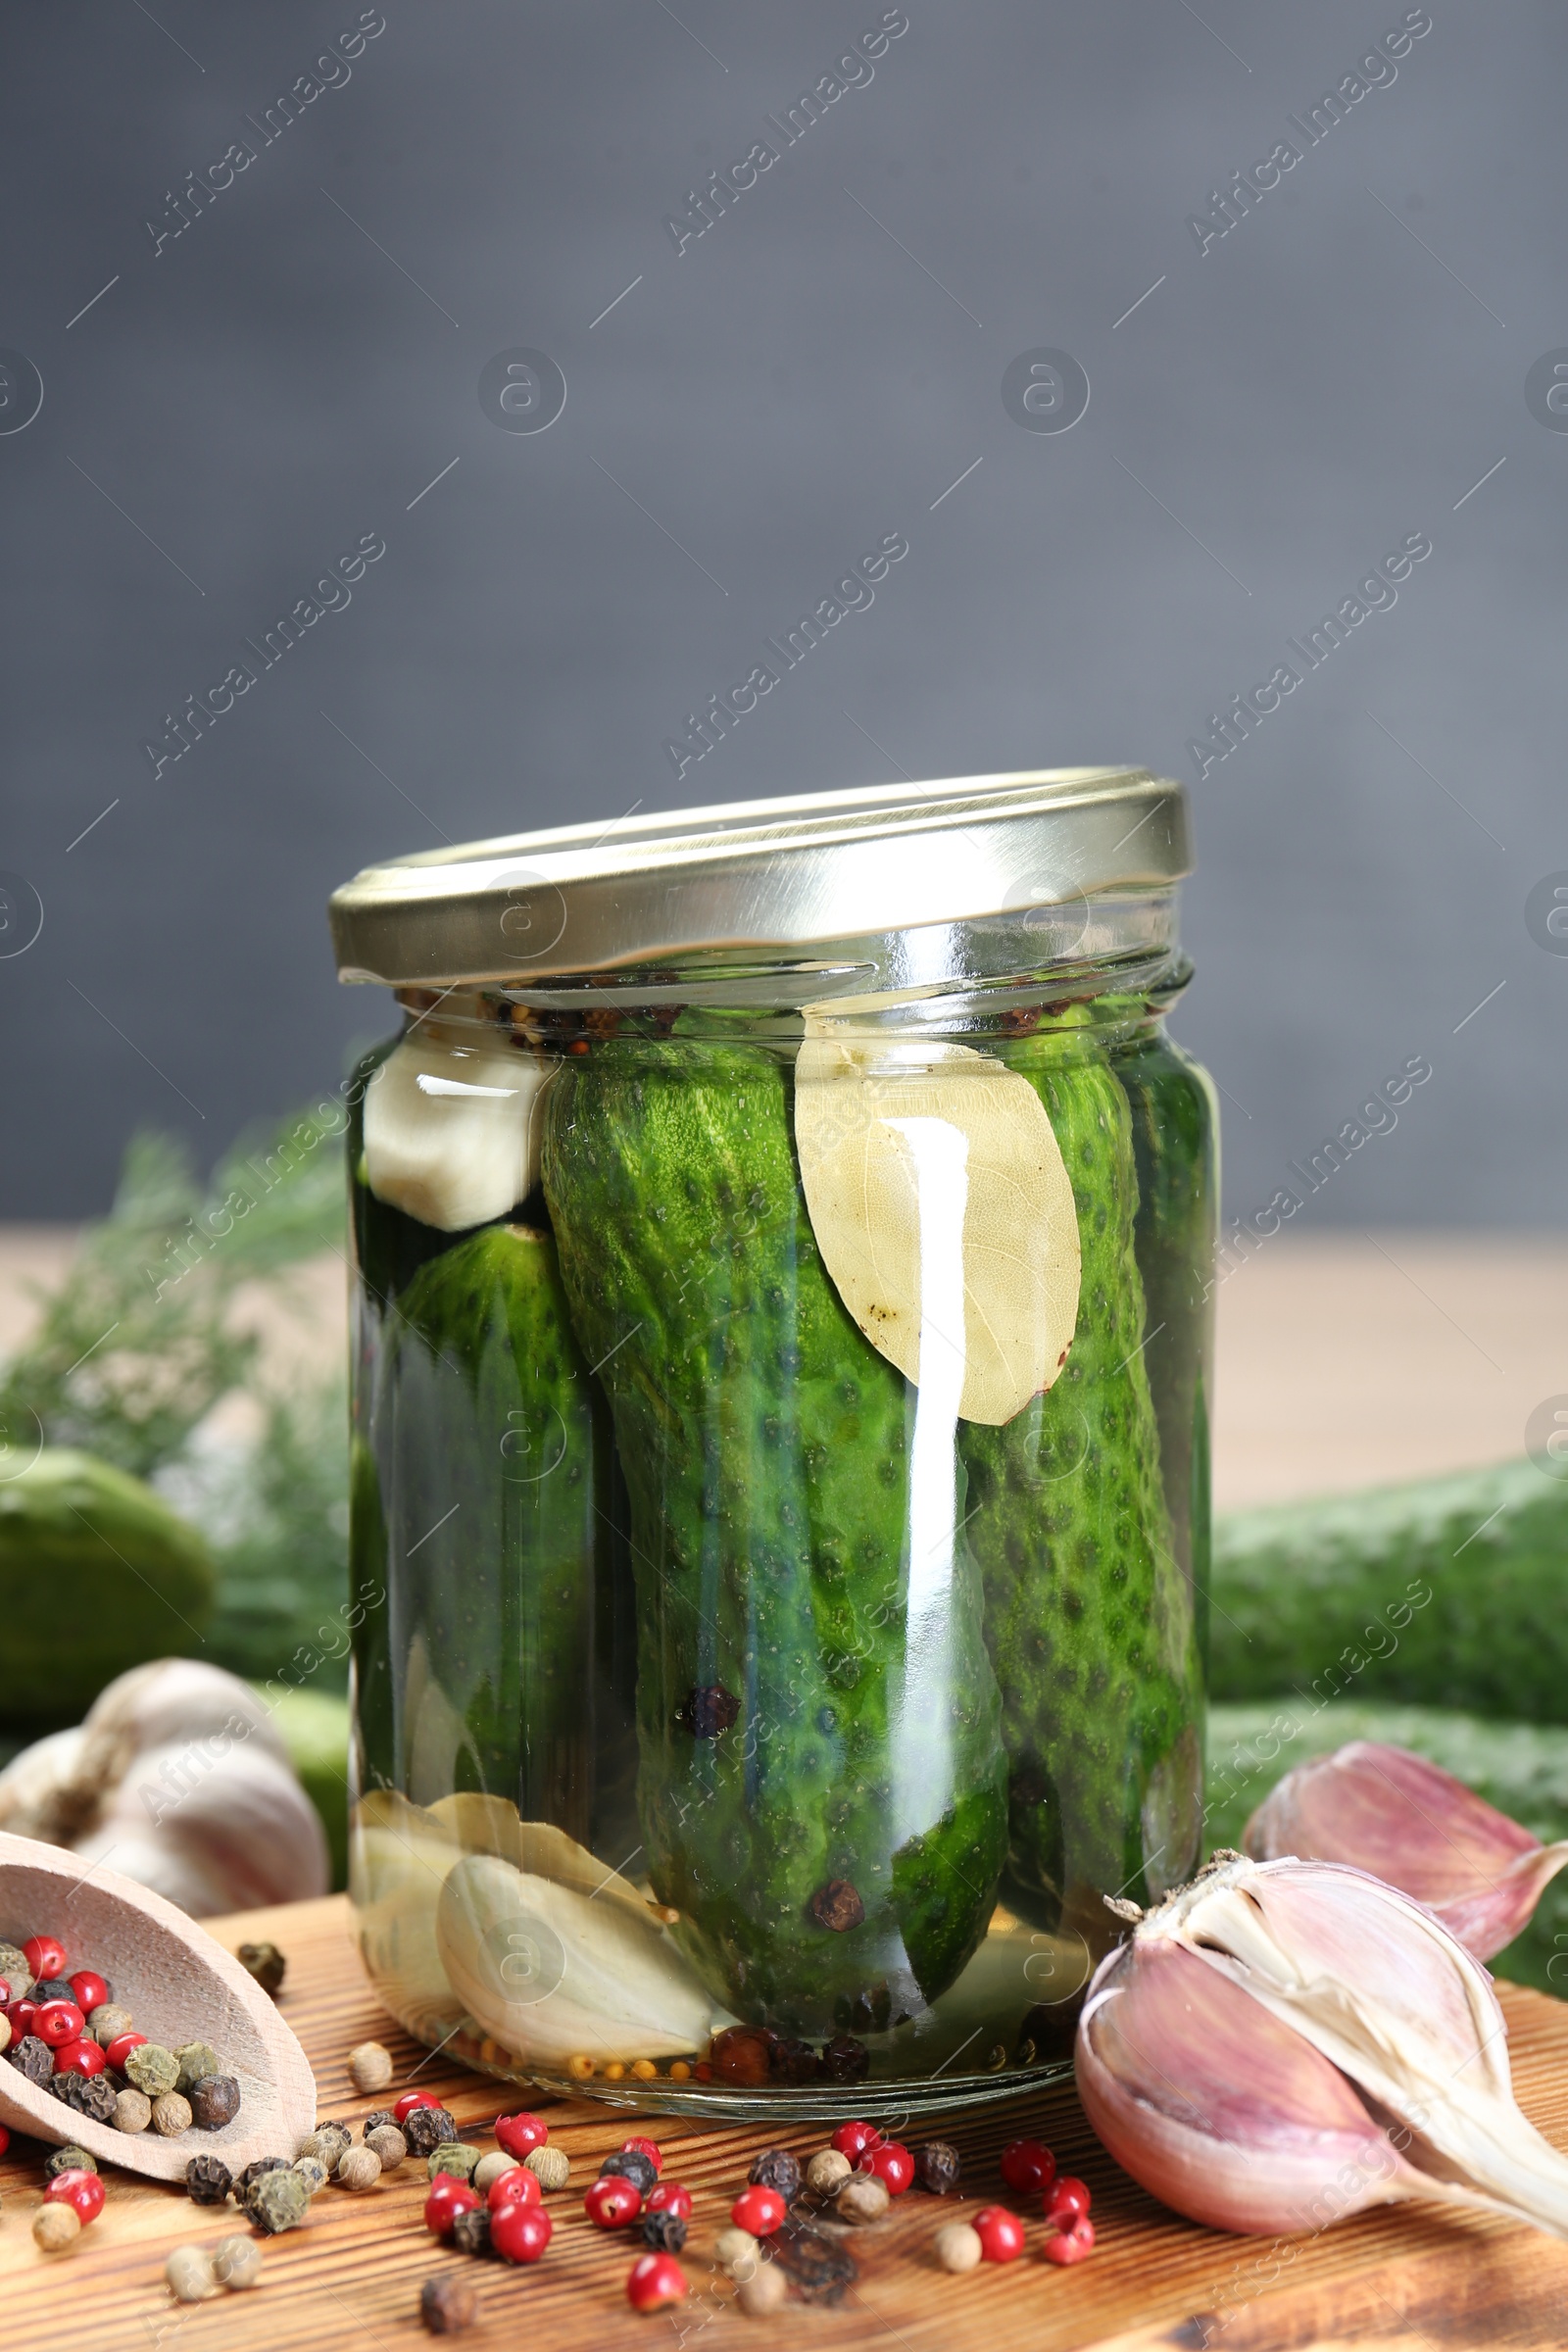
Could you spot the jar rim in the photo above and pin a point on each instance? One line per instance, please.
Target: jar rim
(752, 876)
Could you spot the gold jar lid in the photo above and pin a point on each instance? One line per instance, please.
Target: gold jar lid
(755, 877)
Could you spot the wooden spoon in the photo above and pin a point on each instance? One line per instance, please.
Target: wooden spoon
(179, 1987)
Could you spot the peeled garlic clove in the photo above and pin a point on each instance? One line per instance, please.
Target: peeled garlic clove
(1384, 1810)
(1380, 1988)
(1217, 2108)
(492, 1824)
(911, 1155)
(553, 1974)
(451, 1132)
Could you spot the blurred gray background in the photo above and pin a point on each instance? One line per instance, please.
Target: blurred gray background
(225, 413)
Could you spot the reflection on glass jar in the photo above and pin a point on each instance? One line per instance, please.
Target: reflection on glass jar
(781, 1347)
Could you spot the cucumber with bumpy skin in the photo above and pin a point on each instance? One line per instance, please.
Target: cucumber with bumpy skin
(1446, 1592)
(1088, 1612)
(822, 1803)
(495, 1483)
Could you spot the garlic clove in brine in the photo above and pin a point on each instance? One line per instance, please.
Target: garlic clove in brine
(1385, 1810)
(451, 1125)
(1372, 1983)
(555, 1975)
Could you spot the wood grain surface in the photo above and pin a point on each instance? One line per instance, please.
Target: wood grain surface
(350, 2278)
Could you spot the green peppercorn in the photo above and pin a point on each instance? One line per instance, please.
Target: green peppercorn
(453, 2156)
(69, 2160)
(108, 2021)
(266, 1963)
(278, 2201)
(14, 1970)
(196, 2058)
(152, 2069)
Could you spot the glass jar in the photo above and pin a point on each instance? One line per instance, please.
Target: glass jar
(780, 1516)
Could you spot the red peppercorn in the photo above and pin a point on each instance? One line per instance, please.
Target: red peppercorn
(892, 2164)
(44, 1956)
(80, 2057)
(1066, 2202)
(19, 2016)
(518, 2135)
(121, 2047)
(645, 2147)
(449, 2196)
(59, 2022)
(519, 2187)
(85, 2192)
(853, 2140)
(409, 2100)
(1001, 2233)
(521, 2233)
(612, 2201)
(5, 2140)
(758, 2210)
(1028, 2166)
(90, 1990)
(656, 2280)
(668, 2196)
(1071, 2245)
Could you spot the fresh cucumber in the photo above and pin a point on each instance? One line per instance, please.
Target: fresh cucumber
(1444, 1593)
(1521, 1768)
(1089, 1613)
(833, 1848)
(494, 1486)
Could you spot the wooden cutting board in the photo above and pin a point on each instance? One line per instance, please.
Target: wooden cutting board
(350, 2278)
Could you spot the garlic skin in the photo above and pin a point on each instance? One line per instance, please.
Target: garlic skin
(1410, 1823)
(452, 1126)
(1362, 1975)
(177, 1777)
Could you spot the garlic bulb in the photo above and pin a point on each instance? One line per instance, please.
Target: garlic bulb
(1336, 1993)
(451, 1125)
(178, 1777)
(1384, 1810)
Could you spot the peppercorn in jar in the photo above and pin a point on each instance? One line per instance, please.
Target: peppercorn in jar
(779, 1444)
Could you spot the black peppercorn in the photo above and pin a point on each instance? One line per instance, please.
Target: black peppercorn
(266, 1963)
(777, 2169)
(447, 2305)
(664, 2232)
(630, 2164)
(470, 2231)
(427, 2127)
(213, 2101)
(375, 2119)
(846, 2060)
(53, 1989)
(86, 2094)
(793, 2063)
(209, 2180)
(253, 2172)
(32, 2058)
(936, 2167)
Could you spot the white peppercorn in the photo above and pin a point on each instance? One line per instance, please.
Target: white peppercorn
(171, 2114)
(957, 2247)
(828, 2171)
(494, 2167)
(133, 2111)
(865, 2198)
(762, 2292)
(371, 2066)
(358, 2170)
(55, 2227)
(735, 2251)
(189, 2273)
(389, 2145)
(236, 2262)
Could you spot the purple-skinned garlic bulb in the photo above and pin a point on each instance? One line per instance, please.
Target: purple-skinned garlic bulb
(1410, 1823)
(1281, 2044)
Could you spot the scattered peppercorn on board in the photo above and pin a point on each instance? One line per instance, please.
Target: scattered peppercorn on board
(351, 2275)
